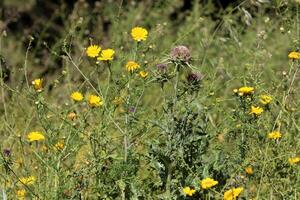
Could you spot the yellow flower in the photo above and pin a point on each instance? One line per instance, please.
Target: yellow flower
(188, 191)
(294, 160)
(256, 110)
(35, 136)
(294, 55)
(265, 99)
(249, 170)
(37, 84)
(76, 96)
(139, 34)
(143, 74)
(95, 101)
(93, 51)
(233, 193)
(27, 180)
(21, 194)
(208, 183)
(131, 66)
(274, 135)
(59, 146)
(246, 90)
(106, 55)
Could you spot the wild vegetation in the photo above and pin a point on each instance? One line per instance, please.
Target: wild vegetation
(150, 100)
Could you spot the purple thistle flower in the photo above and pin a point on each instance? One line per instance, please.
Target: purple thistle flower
(6, 152)
(181, 53)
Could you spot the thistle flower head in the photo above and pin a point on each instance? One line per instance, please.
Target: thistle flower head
(180, 53)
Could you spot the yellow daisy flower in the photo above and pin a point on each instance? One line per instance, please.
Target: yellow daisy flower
(131, 66)
(265, 99)
(294, 55)
(245, 90)
(38, 84)
(35, 136)
(95, 101)
(294, 160)
(139, 34)
(274, 135)
(28, 180)
(256, 110)
(143, 74)
(93, 51)
(188, 191)
(233, 193)
(106, 55)
(76, 96)
(208, 183)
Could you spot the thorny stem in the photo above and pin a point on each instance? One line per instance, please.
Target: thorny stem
(175, 88)
(174, 99)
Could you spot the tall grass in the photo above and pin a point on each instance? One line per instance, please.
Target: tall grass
(153, 134)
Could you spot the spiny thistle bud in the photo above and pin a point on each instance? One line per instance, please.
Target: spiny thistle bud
(6, 152)
(194, 77)
(162, 68)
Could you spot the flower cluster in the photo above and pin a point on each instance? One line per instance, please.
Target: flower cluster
(208, 183)
(246, 94)
(94, 51)
(93, 100)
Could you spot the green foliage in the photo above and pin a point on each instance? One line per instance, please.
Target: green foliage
(151, 136)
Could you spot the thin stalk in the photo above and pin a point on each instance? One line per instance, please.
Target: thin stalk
(99, 93)
(25, 62)
(284, 99)
(2, 83)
